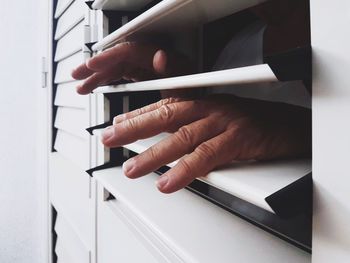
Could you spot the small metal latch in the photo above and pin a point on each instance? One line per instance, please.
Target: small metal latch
(44, 72)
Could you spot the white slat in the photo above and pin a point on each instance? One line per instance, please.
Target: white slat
(70, 43)
(65, 67)
(73, 15)
(62, 5)
(70, 194)
(102, 152)
(69, 244)
(63, 255)
(244, 75)
(193, 228)
(250, 181)
(67, 96)
(73, 148)
(175, 15)
(116, 242)
(73, 120)
(120, 5)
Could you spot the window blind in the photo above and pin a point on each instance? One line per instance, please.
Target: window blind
(69, 247)
(273, 187)
(74, 27)
(120, 5)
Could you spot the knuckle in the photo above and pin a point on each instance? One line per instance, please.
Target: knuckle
(163, 102)
(173, 100)
(115, 119)
(165, 113)
(167, 101)
(130, 124)
(139, 111)
(206, 152)
(186, 168)
(185, 135)
(153, 153)
(119, 118)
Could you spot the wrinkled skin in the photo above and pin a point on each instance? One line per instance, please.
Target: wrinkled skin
(206, 132)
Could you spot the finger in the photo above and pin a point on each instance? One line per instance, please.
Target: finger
(184, 141)
(129, 52)
(171, 64)
(82, 72)
(167, 117)
(160, 62)
(98, 79)
(205, 158)
(139, 74)
(143, 110)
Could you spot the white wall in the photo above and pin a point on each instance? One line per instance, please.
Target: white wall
(21, 225)
(331, 130)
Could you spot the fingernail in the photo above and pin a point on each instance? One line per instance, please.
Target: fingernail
(107, 133)
(128, 165)
(162, 181)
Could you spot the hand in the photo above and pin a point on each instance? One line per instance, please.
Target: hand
(209, 133)
(130, 61)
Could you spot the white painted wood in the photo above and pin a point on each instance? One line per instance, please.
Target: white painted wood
(250, 181)
(65, 67)
(331, 130)
(120, 5)
(67, 96)
(101, 24)
(70, 43)
(48, 127)
(102, 116)
(23, 153)
(144, 235)
(195, 229)
(69, 246)
(63, 256)
(62, 5)
(70, 194)
(174, 15)
(70, 18)
(116, 242)
(73, 120)
(74, 148)
(244, 75)
(100, 153)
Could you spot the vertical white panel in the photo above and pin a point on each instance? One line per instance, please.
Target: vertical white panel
(331, 130)
(70, 194)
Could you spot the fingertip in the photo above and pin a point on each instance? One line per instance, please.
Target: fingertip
(162, 183)
(128, 168)
(79, 73)
(167, 186)
(74, 74)
(160, 62)
(81, 91)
